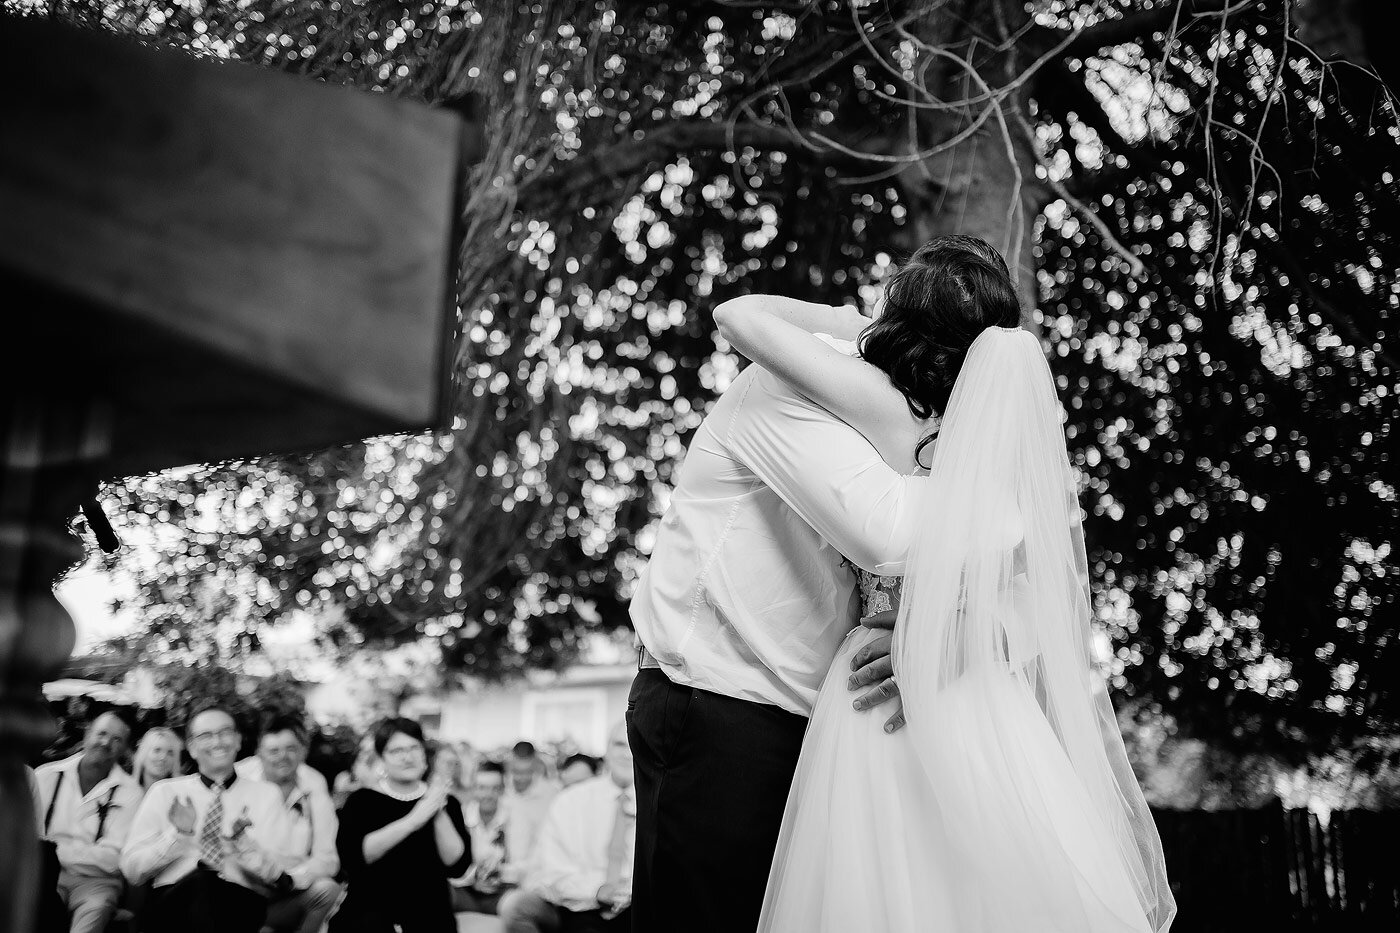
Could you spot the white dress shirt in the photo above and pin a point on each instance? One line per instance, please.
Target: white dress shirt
(310, 853)
(155, 850)
(485, 839)
(747, 593)
(89, 829)
(524, 815)
(571, 863)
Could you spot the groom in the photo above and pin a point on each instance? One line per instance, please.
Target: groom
(740, 612)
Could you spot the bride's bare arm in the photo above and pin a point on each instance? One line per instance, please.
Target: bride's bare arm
(842, 322)
(851, 389)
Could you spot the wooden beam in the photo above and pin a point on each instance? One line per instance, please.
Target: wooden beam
(259, 262)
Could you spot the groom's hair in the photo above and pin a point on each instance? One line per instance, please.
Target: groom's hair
(943, 297)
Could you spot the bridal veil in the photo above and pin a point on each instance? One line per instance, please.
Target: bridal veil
(1006, 711)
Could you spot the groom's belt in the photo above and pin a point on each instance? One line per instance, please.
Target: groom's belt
(645, 659)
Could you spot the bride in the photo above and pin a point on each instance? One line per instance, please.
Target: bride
(1007, 805)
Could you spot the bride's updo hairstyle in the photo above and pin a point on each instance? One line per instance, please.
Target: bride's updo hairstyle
(947, 293)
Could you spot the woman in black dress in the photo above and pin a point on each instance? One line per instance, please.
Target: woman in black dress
(399, 841)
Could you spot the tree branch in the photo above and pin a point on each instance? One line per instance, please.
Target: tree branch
(1138, 27)
(588, 178)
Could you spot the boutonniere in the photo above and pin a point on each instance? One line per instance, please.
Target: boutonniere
(299, 806)
(240, 825)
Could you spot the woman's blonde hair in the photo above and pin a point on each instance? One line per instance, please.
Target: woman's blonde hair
(143, 750)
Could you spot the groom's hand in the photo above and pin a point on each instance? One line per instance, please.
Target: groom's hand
(872, 665)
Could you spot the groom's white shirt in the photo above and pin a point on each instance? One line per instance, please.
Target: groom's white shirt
(746, 593)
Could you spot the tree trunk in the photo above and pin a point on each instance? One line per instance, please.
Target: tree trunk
(980, 182)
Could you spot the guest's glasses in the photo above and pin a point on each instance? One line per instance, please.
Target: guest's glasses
(218, 735)
(403, 751)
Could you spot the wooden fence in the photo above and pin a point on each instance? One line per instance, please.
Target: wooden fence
(1273, 870)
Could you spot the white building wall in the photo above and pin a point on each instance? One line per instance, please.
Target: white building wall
(581, 705)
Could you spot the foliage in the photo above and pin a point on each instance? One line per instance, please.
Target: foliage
(1211, 207)
(1234, 412)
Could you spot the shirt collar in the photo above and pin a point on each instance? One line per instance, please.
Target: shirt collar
(113, 776)
(209, 782)
(299, 799)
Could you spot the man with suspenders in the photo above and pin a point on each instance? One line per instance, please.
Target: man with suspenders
(85, 805)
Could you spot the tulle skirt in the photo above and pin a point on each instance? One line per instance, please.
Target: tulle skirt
(869, 843)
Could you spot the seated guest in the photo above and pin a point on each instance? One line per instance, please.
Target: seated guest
(447, 764)
(306, 892)
(85, 805)
(208, 841)
(480, 889)
(577, 768)
(157, 756)
(307, 776)
(470, 759)
(582, 877)
(528, 795)
(363, 773)
(400, 841)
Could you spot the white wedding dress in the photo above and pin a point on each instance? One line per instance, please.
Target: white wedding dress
(865, 846)
(1007, 804)
(862, 845)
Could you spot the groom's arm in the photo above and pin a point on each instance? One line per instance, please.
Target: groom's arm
(826, 472)
(831, 476)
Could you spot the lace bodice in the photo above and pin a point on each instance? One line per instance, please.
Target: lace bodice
(877, 594)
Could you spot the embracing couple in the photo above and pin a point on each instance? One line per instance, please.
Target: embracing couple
(910, 470)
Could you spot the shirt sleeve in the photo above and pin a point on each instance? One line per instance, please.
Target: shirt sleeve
(560, 872)
(36, 787)
(827, 473)
(153, 842)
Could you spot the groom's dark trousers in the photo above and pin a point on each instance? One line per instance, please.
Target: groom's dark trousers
(712, 775)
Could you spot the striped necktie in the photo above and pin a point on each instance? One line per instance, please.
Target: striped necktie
(211, 850)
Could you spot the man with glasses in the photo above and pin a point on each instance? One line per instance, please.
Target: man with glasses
(85, 805)
(209, 841)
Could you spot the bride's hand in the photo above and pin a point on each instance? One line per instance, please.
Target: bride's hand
(872, 665)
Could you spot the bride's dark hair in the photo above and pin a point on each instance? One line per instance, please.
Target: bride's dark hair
(937, 303)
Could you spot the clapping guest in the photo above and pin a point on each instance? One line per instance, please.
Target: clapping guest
(306, 892)
(157, 756)
(582, 878)
(85, 805)
(480, 889)
(208, 841)
(400, 841)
